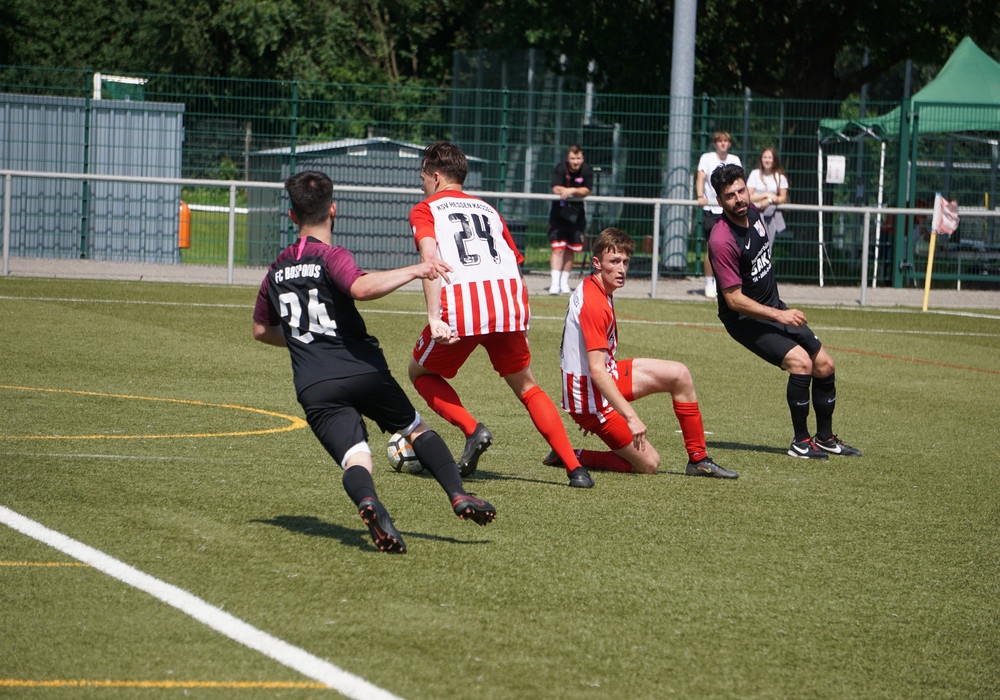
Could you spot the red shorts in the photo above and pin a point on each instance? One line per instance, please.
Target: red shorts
(508, 352)
(609, 425)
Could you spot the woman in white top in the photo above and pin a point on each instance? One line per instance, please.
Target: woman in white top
(768, 188)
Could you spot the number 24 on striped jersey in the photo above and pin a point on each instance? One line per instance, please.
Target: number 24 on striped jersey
(478, 227)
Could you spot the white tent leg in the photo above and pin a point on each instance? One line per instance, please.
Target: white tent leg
(878, 217)
(819, 200)
(864, 258)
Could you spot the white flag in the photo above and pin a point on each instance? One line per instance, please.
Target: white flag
(945, 216)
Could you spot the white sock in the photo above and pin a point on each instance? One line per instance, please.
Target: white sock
(564, 280)
(555, 279)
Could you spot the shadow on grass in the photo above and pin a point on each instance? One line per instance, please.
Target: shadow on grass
(481, 475)
(722, 445)
(313, 526)
(770, 449)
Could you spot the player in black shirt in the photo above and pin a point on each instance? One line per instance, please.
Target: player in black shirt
(756, 317)
(307, 304)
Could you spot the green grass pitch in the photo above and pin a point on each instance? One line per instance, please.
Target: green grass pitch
(871, 577)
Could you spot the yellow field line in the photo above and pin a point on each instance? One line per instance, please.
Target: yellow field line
(253, 685)
(294, 423)
(42, 563)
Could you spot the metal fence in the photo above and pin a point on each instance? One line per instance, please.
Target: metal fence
(260, 131)
(225, 235)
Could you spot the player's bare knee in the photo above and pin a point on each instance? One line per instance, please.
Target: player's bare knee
(646, 462)
(823, 365)
(414, 370)
(684, 387)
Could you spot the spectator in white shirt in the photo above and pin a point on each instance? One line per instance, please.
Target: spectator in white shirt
(768, 188)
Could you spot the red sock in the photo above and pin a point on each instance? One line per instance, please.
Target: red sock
(604, 461)
(689, 416)
(444, 401)
(545, 416)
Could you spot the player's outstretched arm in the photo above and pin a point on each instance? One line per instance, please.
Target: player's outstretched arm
(374, 285)
(440, 331)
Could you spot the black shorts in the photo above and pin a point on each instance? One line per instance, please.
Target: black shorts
(771, 341)
(708, 220)
(572, 237)
(334, 409)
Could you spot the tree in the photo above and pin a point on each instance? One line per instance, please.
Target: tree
(350, 41)
(814, 50)
(796, 50)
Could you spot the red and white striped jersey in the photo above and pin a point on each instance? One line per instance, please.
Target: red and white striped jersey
(486, 293)
(590, 325)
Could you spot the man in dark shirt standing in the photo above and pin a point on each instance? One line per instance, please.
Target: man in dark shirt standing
(572, 177)
(307, 304)
(756, 317)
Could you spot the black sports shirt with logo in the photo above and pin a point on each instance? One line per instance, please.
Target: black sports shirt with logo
(742, 256)
(307, 292)
(562, 177)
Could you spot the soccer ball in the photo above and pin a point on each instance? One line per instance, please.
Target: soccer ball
(401, 455)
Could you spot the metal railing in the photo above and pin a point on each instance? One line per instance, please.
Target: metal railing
(650, 228)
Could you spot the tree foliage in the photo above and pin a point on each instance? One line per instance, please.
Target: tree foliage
(815, 50)
(795, 50)
(799, 49)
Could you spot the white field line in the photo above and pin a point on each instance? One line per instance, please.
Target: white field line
(239, 631)
(128, 301)
(964, 314)
(815, 327)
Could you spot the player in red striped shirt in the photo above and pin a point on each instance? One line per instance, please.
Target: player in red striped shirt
(484, 303)
(598, 389)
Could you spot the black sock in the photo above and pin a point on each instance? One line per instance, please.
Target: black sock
(358, 484)
(437, 459)
(825, 400)
(797, 394)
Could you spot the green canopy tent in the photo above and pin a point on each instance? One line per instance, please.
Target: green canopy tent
(964, 97)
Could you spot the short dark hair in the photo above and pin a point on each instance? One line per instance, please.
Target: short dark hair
(614, 240)
(446, 158)
(311, 193)
(574, 148)
(725, 175)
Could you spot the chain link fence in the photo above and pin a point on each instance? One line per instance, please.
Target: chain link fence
(364, 135)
